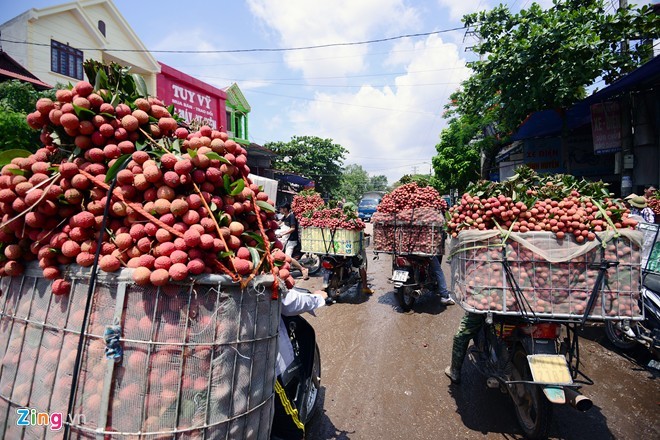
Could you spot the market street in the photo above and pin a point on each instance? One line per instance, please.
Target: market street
(382, 377)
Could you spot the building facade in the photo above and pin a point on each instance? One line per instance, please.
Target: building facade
(53, 42)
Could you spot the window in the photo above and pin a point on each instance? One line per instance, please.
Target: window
(102, 27)
(229, 128)
(66, 60)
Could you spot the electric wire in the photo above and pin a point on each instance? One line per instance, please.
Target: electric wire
(273, 49)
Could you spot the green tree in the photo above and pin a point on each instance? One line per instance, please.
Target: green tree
(310, 156)
(17, 99)
(354, 182)
(420, 179)
(458, 160)
(377, 183)
(543, 59)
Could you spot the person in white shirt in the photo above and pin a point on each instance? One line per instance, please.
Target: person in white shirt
(286, 424)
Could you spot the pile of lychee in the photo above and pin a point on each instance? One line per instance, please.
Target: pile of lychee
(182, 203)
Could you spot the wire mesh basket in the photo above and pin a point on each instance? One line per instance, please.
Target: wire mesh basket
(410, 232)
(536, 274)
(198, 359)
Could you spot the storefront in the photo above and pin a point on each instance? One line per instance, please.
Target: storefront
(192, 98)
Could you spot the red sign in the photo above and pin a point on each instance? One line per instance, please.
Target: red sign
(192, 98)
(606, 127)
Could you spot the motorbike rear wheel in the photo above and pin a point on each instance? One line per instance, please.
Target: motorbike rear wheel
(312, 402)
(533, 410)
(311, 262)
(616, 336)
(405, 298)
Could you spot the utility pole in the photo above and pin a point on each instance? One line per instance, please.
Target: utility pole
(626, 130)
(414, 169)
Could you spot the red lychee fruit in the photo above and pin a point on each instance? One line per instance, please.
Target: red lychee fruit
(51, 272)
(196, 266)
(70, 248)
(159, 277)
(178, 271)
(109, 263)
(61, 287)
(142, 276)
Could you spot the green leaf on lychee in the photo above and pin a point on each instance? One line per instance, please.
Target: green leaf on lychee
(176, 146)
(83, 112)
(101, 80)
(215, 156)
(256, 237)
(140, 85)
(265, 206)
(108, 115)
(227, 182)
(7, 155)
(192, 153)
(119, 165)
(214, 207)
(17, 172)
(170, 109)
(238, 187)
(225, 254)
(254, 253)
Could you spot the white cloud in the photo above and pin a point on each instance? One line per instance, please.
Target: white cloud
(388, 130)
(458, 8)
(303, 23)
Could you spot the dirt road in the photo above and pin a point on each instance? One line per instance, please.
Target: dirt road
(382, 377)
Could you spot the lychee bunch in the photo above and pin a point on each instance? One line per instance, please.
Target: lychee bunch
(182, 204)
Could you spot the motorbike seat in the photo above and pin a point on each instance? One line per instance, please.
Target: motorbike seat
(651, 281)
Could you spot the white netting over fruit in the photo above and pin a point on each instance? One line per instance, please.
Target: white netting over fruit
(198, 357)
(555, 276)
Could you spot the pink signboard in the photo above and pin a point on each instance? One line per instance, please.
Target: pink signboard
(606, 127)
(192, 98)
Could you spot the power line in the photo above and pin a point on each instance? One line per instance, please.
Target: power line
(343, 103)
(280, 49)
(334, 77)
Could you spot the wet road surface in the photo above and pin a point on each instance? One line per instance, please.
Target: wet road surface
(382, 377)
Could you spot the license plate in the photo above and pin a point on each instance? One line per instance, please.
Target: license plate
(400, 275)
(550, 369)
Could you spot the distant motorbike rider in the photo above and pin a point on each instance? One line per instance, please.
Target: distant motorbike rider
(286, 423)
(444, 293)
(292, 237)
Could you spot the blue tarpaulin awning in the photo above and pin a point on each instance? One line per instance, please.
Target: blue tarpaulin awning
(293, 178)
(547, 123)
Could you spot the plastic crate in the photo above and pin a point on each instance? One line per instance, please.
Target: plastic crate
(332, 241)
(198, 358)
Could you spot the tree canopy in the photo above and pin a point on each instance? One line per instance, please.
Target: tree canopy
(356, 181)
(544, 59)
(458, 160)
(315, 158)
(17, 99)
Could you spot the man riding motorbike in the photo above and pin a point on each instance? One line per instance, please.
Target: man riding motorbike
(286, 423)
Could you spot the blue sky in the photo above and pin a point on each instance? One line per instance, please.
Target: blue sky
(382, 101)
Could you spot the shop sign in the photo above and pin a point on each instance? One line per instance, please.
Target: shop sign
(606, 127)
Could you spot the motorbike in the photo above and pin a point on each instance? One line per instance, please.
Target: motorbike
(302, 379)
(412, 276)
(308, 260)
(527, 360)
(626, 334)
(340, 273)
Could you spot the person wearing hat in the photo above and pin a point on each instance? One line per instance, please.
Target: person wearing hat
(638, 207)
